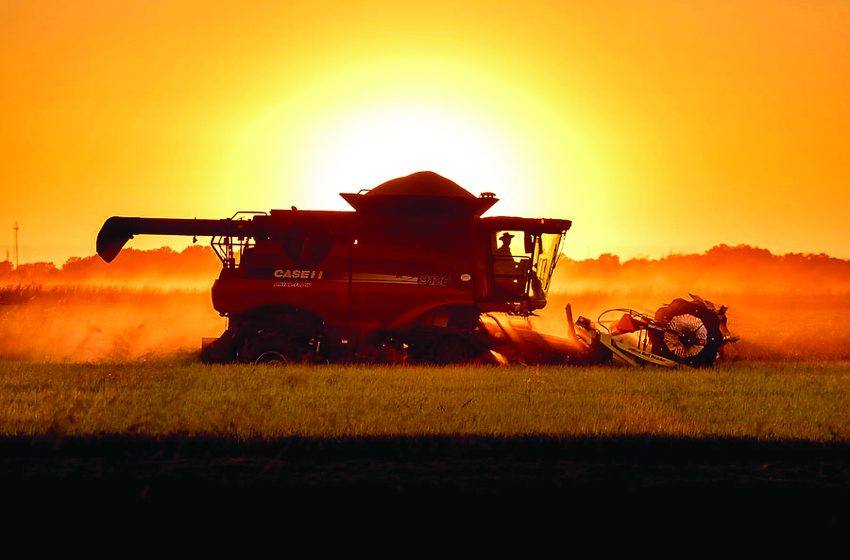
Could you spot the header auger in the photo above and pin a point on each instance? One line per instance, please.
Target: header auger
(413, 274)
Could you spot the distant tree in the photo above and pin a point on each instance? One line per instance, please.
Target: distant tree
(36, 271)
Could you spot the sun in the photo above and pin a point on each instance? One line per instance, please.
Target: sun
(357, 126)
(373, 144)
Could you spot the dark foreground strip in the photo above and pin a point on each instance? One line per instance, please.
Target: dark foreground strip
(477, 492)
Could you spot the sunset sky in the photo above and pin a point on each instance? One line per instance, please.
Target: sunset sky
(656, 126)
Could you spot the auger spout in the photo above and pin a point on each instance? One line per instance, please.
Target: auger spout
(118, 230)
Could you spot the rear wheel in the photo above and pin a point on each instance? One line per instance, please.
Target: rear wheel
(276, 347)
(276, 334)
(692, 335)
(271, 359)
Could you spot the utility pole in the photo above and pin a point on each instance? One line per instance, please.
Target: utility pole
(16, 228)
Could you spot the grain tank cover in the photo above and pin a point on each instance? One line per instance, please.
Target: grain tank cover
(421, 193)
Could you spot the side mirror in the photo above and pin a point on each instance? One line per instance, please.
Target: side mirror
(529, 243)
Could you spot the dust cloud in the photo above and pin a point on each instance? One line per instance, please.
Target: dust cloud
(104, 324)
(788, 307)
(147, 303)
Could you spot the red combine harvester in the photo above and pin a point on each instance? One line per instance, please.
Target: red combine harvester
(414, 274)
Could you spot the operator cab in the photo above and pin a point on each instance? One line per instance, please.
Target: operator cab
(521, 262)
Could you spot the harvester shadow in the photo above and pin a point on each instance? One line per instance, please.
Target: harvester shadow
(297, 488)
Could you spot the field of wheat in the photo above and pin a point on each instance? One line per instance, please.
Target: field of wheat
(176, 396)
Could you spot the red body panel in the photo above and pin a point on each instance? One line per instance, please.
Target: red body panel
(378, 270)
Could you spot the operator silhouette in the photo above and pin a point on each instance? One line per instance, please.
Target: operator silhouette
(506, 270)
(503, 261)
(505, 249)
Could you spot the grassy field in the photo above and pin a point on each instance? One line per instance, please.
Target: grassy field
(179, 397)
(480, 459)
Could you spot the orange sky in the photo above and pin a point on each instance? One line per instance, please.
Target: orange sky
(655, 126)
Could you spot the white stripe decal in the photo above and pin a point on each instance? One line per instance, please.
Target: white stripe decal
(384, 278)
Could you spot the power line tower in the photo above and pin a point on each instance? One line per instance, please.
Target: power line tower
(16, 228)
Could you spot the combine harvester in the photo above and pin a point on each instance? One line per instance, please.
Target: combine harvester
(413, 274)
